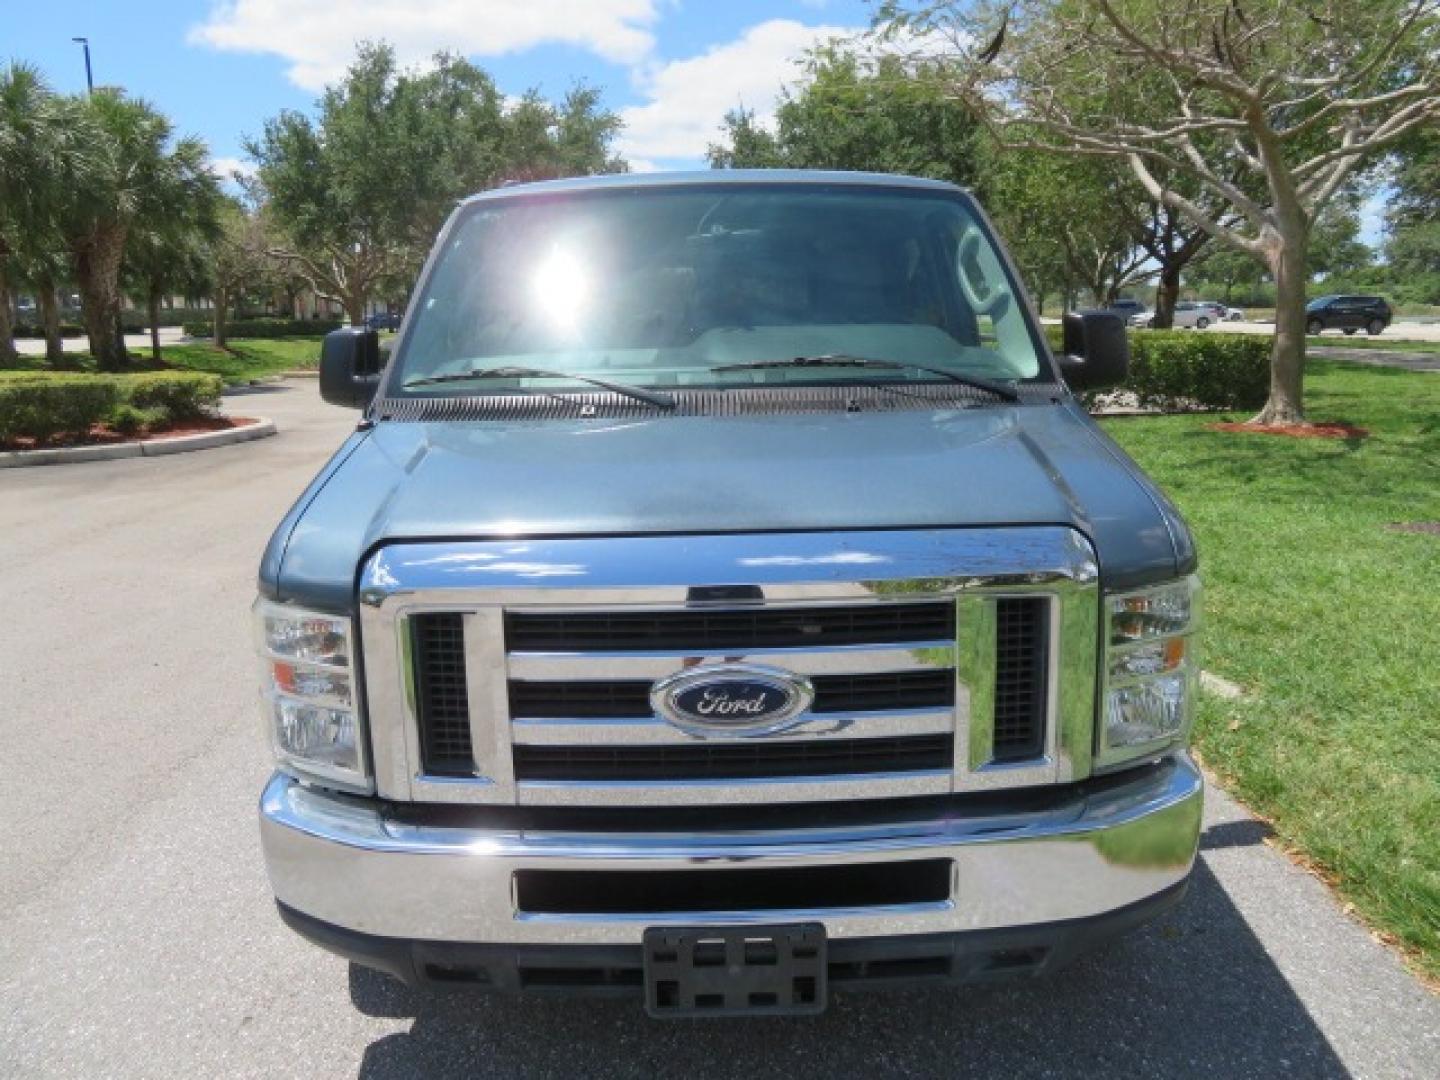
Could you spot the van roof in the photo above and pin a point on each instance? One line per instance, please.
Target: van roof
(623, 181)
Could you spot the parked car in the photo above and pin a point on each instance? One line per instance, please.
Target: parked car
(1127, 307)
(384, 320)
(1348, 313)
(1188, 314)
(1221, 313)
(696, 615)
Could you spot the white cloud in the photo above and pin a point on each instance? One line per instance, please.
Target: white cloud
(687, 99)
(318, 36)
(226, 167)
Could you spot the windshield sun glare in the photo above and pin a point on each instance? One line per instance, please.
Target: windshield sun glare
(691, 285)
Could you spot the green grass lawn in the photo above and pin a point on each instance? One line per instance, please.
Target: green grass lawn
(1384, 342)
(1331, 622)
(246, 358)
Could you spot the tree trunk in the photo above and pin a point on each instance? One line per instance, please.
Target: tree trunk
(1166, 293)
(8, 355)
(97, 266)
(120, 333)
(154, 316)
(355, 308)
(50, 320)
(222, 302)
(1287, 353)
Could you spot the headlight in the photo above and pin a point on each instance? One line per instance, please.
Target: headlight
(311, 716)
(1150, 671)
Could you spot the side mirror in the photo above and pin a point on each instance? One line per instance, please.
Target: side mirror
(1096, 350)
(350, 366)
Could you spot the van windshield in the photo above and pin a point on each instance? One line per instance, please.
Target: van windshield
(664, 287)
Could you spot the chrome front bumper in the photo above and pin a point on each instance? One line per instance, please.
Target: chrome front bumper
(1096, 847)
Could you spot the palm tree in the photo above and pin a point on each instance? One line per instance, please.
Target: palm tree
(129, 186)
(46, 153)
(167, 246)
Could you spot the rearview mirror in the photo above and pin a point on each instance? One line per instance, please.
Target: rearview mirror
(1096, 350)
(350, 366)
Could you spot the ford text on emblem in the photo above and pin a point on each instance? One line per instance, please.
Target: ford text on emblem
(732, 699)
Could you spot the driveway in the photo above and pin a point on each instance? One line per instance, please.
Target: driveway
(139, 937)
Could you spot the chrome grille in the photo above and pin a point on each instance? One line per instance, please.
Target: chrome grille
(744, 761)
(754, 628)
(631, 698)
(521, 671)
(1021, 677)
(438, 640)
(889, 664)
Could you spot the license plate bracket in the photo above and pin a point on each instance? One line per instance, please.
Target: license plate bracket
(735, 970)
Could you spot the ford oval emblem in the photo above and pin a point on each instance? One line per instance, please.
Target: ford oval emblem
(732, 699)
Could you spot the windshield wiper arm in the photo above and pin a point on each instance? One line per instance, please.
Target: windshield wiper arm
(650, 397)
(1000, 390)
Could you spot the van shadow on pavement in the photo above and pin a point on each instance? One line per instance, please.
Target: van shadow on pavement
(1193, 994)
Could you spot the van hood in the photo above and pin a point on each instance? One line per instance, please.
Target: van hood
(971, 467)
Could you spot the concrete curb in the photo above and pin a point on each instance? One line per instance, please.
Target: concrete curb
(180, 444)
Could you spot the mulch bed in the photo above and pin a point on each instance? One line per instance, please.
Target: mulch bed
(1296, 431)
(102, 435)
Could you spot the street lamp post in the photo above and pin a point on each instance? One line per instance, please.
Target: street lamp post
(84, 42)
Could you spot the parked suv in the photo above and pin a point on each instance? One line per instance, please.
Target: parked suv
(722, 600)
(384, 320)
(1348, 313)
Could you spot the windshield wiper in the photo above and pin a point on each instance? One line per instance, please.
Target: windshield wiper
(650, 397)
(1000, 390)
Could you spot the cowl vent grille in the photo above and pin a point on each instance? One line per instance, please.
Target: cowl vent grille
(739, 401)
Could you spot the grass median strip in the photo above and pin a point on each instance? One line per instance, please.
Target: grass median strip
(1330, 620)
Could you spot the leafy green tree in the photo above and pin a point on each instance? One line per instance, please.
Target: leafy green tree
(747, 144)
(1070, 223)
(1298, 96)
(544, 141)
(359, 191)
(47, 151)
(1228, 270)
(859, 113)
(1335, 245)
(237, 260)
(1413, 217)
(166, 249)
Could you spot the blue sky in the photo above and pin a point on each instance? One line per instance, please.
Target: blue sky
(220, 67)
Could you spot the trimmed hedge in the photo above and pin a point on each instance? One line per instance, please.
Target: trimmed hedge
(54, 404)
(1180, 370)
(176, 395)
(41, 405)
(265, 328)
(1174, 370)
(137, 319)
(30, 330)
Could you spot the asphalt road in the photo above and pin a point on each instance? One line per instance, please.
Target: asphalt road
(138, 937)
